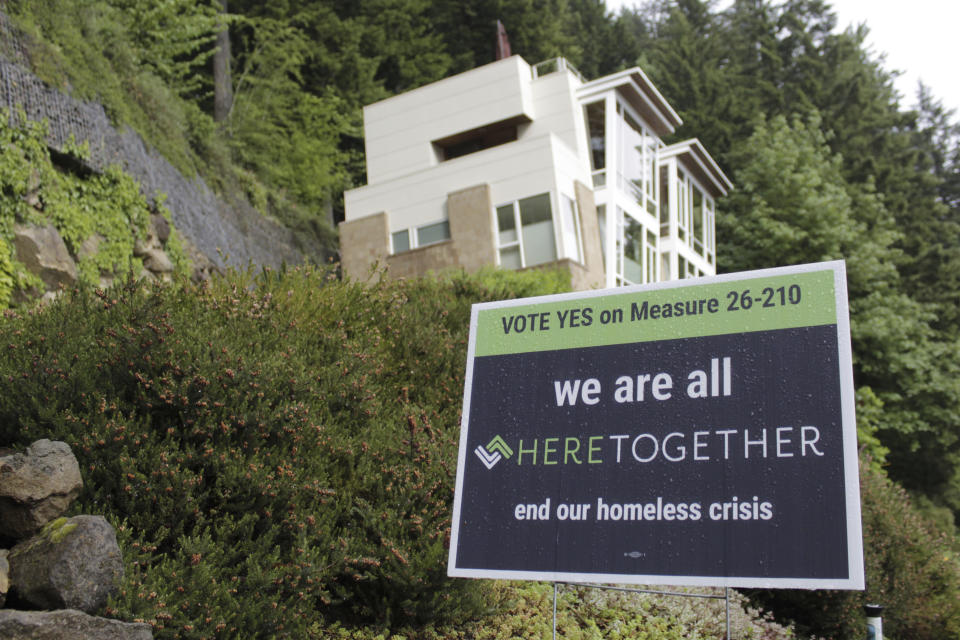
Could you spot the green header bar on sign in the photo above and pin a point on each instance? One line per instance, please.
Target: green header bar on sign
(797, 299)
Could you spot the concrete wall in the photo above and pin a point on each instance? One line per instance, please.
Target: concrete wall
(366, 241)
(398, 131)
(514, 170)
(363, 244)
(591, 274)
(471, 227)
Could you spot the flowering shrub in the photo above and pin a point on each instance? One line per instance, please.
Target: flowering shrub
(274, 449)
(584, 613)
(278, 453)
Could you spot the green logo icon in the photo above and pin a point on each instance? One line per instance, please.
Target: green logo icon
(496, 450)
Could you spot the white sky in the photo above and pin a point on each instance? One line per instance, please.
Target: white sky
(919, 37)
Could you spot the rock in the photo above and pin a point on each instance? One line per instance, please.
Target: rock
(43, 252)
(72, 563)
(67, 625)
(36, 486)
(90, 246)
(32, 196)
(203, 268)
(141, 246)
(157, 261)
(160, 227)
(4, 577)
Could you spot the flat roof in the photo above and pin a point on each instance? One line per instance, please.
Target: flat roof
(698, 161)
(642, 95)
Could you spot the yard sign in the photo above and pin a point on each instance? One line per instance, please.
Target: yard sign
(696, 432)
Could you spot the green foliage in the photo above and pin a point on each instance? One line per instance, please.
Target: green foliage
(106, 208)
(869, 419)
(272, 446)
(527, 613)
(288, 137)
(146, 63)
(500, 284)
(86, 48)
(172, 38)
(278, 452)
(8, 272)
(911, 566)
(793, 205)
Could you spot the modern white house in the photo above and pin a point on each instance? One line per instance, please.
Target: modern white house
(525, 166)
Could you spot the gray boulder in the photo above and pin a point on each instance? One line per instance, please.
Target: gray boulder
(157, 261)
(72, 563)
(67, 625)
(36, 487)
(43, 252)
(160, 227)
(4, 577)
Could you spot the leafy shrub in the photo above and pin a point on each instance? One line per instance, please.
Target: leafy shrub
(275, 449)
(584, 613)
(911, 569)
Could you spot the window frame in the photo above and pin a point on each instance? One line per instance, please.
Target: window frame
(413, 237)
(556, 220)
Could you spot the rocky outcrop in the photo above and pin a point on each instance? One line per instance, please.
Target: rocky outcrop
(44, 253)
(72, 563)
(67, 625)
(36, 486)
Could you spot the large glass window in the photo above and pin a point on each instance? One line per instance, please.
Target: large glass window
(525, 234)
(602, 228)
(650, 251)
(508, 238)
(637, 157)
(638, 251)
(696, 219)
(427, 234)
(683, 208)
(709, 224)
(431, 233)
(633, 233)
(596, 125)
(401, 241)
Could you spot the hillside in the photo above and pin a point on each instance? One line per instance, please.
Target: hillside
(261, 105)
(278, 454)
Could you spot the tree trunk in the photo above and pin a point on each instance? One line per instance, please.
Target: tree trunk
(222, 81)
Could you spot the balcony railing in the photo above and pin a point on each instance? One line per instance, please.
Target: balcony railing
(553, 65)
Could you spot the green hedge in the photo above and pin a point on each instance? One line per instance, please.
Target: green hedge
(275, 449)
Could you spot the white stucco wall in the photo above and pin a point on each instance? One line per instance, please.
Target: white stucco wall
(398, 132)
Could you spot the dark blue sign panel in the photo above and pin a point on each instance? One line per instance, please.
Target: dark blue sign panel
(665, 450)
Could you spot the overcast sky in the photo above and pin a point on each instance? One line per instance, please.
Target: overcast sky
(919, 37)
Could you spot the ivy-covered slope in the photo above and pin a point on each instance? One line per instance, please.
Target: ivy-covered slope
(106, 208)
